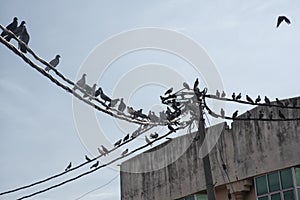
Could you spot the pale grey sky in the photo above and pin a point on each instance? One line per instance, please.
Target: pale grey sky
(37, 130)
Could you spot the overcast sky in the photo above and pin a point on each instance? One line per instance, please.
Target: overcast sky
(37, 129)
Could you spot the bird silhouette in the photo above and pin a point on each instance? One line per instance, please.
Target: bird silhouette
(87, 158)
(24, 37)
(271, 115)
(54, 62)
(261, 114)
(186, 86)
(169, 91)
(267, 101)
(101, 151)
(153, 117)
(248, 113)
(89, 91)
(95, 165)
(281, 115)
(122, 105)
(113, 102)
(125, 152)
(126, 138)
(103, 96)
(218, 94)
(239, 96)
(148, 141)
(80, 83)
(68, 167)
(233, 95)
(279, 102)
(280, 19)
(105, 150)
(196, 83)
(171, 128)
(154, 135)
(223, 95)
(235, 114)
(11, 27)
(118, 143)
(17, 31)
(258, 99)
(249, 99)
(222, 113)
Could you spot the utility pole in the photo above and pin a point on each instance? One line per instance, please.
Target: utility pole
(206, 162)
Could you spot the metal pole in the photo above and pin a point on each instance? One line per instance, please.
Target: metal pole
(206, 161)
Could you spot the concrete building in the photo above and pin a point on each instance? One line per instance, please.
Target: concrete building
(262, 162)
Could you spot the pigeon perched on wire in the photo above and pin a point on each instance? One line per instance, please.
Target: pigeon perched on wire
(89, 91)
(118, 143)
(249, 99)
(125, 152)
(54, 62)
(122, 106)
(235, 114)
(24, 37)
(222, 113)
(258, 99)
(95, 165)
(101, 152)
(113, 102)
(171, 128)
(126, 138)
(154, 135)
(87, 158)
(105, 150)
(169, 91)
(68, 167)
(233, 96)
(267, 100)
(281, 115)
(223, 95)
(148, 141)
(80, 83)
(11, 27)
(280, 19)
(186, 86)
(103, 96)
(218, 94)
(17, 31)
(239, 96)
(279, 102)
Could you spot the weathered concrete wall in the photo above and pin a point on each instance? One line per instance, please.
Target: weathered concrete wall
(249, 148)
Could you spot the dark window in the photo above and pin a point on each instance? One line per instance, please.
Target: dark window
(276, 196)
(297, 173)
(273, 180)
(289, 195)
(286, 178)
(261, 185)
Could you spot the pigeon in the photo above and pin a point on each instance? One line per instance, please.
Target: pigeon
(11, 27)
(258, 99)
(186, 86)
(153, 117)
(24, 37)
(281, 114)
(171, 128)
(223, 95)
(95, 165)
(261, 114)
(235, 114)
(113, 102)
(280, 19)
(105, 150)
(169, 91)
(53, 63)
(267, 100)
(148, 141)
(248, 114)
(122, 106)
(217, 94)
(239, 96)
(233, 96)
(87, 158)
(80, 83)
(271, 115)
(17, 31)
(101, 151)
(126, 138)
(125, 152)
(154, 135)
(68, 167)
(222, 113)
(279, 102)
(249, 99)
(196, 83)
(103, 96)
(118, 143)
(89, 91)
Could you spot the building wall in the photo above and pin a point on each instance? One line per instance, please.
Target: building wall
(248, 149)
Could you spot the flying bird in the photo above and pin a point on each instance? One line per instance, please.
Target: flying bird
(122, 105)
(235, 114)
(267, 100)
(222, 113)
(169, 91)
(281, 115)
(239, 96)
(118, 143)
(249, 99)
(218, 93)
(11, 27)
(24, 37)
(258, 99)
(17, 31)
(280, 19)
(148, 141)
(80, 83)
(154, 135)
(95, 165)
(261, 114)
(223, 95)
(126, 138)
(54, 62)
(68, 167)
(87, 158)
(125, 152)
(186, 86)
(279, 102)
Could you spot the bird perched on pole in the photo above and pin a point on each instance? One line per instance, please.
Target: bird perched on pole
(24, 37)
(54, 62)
(80, 83)
(17, 31)
(280, 19)
(11, 27)
(68, 167)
